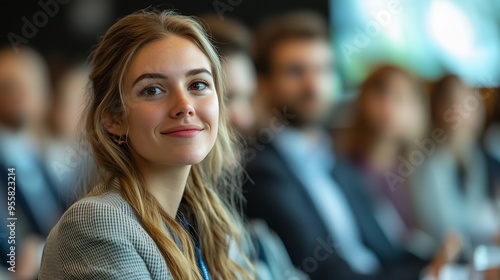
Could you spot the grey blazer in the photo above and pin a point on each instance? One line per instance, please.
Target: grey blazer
(101, 238)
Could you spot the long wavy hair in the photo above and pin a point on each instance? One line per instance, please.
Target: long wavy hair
(212, 194)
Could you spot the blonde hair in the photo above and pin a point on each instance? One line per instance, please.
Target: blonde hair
(212, 189)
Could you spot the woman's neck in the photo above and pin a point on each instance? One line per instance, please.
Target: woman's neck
(166, 183)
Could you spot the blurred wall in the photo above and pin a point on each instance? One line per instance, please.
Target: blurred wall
(71, 27)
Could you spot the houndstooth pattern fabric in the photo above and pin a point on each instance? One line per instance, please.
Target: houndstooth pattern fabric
(101, 238)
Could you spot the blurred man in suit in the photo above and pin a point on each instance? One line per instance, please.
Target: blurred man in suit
(313, 202)
(24, 93)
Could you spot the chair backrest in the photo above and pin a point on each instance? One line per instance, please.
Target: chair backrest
(270, 258)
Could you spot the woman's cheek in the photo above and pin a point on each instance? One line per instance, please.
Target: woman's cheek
(209, 112)
(144, 119)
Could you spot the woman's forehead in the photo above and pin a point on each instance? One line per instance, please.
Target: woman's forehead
(170, 56)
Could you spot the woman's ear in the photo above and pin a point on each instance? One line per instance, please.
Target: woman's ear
(113, 125)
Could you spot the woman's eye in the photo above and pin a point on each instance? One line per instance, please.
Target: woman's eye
(198, 86)
(151, 91)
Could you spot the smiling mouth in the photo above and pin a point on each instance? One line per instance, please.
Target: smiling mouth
(183, 131)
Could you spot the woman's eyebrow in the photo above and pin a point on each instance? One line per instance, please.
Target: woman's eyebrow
(150, 76)
(198, 71)
(164, 77)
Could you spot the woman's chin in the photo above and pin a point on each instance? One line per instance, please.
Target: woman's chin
(187, 159)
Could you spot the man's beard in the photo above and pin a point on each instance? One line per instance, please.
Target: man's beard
(304, 118)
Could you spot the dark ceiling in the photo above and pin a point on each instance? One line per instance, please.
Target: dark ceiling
(71, 29)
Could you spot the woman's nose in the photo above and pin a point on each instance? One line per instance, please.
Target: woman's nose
(183, 106)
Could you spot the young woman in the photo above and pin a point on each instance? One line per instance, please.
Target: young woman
(390, 113)
(163, 205)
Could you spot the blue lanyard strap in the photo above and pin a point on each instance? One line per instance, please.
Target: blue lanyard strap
(199, 257)
(201, 264)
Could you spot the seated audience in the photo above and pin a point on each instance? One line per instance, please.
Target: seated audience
(24, 91)
(454, 188)
(390, 112)
(312, 200)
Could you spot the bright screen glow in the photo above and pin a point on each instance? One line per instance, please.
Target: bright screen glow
(429, 37)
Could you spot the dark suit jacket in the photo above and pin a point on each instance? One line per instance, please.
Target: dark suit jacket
(28, 223)
(493, 166)
(276, 195)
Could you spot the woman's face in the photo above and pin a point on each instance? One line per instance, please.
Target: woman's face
(395, 112)
(172, 104)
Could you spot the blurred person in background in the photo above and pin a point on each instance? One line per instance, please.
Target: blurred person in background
(390, 113)
(233, 40)
(453, 190)
(25, 92)
(24, 97)
(65, 155)
(294, 64)
(295, 182)
(68, 101)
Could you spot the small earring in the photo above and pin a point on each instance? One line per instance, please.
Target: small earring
(120, 140)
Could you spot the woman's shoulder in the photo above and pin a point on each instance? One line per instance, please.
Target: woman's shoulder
(111, 200)
(102, 214)
(99, 237)
(105, 218)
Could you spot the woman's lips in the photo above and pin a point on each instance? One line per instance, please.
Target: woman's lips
(183, 131)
